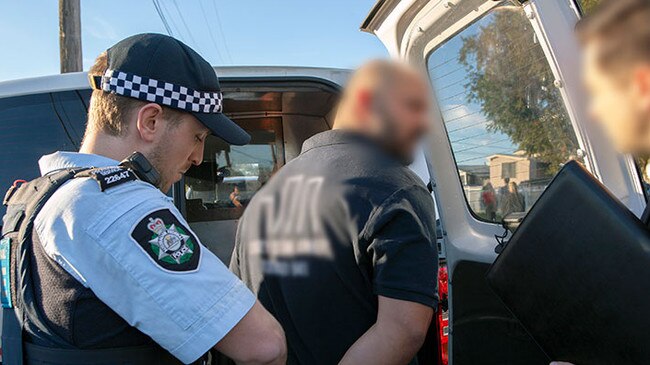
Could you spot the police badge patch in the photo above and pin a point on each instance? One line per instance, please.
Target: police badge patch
(169, 243)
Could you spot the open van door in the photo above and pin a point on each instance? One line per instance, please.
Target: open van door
(506, 79)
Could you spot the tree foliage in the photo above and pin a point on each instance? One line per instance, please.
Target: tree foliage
(510, 79)
(588, 5)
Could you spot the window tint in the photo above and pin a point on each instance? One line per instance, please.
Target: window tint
(35, 125)
(506, 121)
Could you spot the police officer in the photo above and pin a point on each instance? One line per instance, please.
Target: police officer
(99, 267)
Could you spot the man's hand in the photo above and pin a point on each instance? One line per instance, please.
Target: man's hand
(395, 338)
(257, 339)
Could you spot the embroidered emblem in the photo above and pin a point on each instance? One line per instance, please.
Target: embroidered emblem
(171, 243)
(167, 241)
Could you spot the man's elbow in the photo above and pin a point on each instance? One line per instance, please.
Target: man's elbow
(271, 349)
(410, 332)
(415, 336)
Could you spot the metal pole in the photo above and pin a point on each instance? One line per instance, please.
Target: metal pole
(70, 36)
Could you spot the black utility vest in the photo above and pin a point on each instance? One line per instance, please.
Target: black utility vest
(48, 316)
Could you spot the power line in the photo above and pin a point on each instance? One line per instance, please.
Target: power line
(214, 42)
(173, 24)
(223, 36)
(162, 17)
(184, 23)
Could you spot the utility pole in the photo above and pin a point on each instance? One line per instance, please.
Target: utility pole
(70, 36)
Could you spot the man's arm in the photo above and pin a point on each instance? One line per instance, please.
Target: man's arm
(401, 236)
(256, 339)
(395, 338)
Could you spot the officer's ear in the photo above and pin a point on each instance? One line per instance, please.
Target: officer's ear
(150, 122)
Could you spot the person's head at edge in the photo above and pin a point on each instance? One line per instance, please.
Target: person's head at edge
(389, 102)
(171, 139)
(616, 41)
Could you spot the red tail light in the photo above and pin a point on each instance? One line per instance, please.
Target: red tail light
(443, 315)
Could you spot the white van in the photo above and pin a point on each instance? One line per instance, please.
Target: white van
(511, 111)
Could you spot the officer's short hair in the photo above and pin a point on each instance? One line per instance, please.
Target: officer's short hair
(109, 113)
(623, 29)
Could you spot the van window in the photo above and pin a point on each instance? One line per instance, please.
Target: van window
(506, 121)
(35, 125)
(218, 191)
(221, 187)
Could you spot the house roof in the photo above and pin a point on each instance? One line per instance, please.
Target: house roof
(475, 169)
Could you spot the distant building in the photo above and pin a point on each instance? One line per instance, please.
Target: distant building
(527, 172)
(517, 167)
(473, 175)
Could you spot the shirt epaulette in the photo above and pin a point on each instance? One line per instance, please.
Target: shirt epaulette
(109, 177)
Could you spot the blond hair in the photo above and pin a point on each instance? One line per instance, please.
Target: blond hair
(110, 113)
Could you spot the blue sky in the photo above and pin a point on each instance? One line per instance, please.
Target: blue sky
(250, 32)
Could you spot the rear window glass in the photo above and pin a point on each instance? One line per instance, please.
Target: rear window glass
(506, 120)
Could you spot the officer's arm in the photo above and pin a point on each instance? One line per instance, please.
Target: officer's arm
(256, 339)
(395, 338)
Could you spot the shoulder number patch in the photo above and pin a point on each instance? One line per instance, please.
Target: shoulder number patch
(167, 241)
(108, 177)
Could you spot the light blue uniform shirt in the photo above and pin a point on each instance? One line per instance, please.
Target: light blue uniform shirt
(89, 233)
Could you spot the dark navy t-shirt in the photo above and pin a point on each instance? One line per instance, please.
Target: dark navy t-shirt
(339, 225)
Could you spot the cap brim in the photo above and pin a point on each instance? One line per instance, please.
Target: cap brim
(221, 126)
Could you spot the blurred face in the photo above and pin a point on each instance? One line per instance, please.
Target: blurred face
(179, 147)
(403, 113)
(619, 106)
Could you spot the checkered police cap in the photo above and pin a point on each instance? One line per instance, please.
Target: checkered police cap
(163, 70)
(160, 92)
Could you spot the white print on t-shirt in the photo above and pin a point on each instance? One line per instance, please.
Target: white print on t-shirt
(293, 228)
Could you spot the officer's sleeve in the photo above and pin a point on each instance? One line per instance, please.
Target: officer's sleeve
(141, 258)
(401, 243)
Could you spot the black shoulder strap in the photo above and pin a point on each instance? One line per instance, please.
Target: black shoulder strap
(24, 202)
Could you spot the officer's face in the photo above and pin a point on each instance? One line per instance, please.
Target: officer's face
(405, 110)
(617, 103)
(180, 146)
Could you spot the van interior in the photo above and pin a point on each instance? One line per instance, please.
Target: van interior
(280, 115)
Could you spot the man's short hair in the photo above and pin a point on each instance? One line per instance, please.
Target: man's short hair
(622, 28)
(109, 113)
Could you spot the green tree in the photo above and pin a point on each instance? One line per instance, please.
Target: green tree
(510, 79)
(588, 5)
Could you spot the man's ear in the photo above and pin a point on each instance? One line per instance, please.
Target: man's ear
(149, 121)
(363, 104)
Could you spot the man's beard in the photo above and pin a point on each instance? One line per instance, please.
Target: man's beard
(386, 136)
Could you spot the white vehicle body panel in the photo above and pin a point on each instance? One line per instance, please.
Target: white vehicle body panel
(412, 29)
(79, 80)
